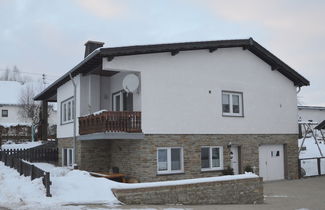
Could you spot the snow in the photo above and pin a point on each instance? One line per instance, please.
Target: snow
(68, 187)
(96, 113)
(72, 187)
(247, 175)
(310, 166)
(25, 145)
(8, 125)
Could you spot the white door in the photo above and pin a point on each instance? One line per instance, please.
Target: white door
(234, 160)
(118, 101)
(271, 162)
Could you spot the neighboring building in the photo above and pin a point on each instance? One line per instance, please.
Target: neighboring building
(200, 108)
(311, 113)
(10, 93)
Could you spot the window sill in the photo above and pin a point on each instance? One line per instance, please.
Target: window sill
(212, 170)
(65, 123)
(169, 173)
(230, 115)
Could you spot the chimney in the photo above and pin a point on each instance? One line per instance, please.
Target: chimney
(91, 46)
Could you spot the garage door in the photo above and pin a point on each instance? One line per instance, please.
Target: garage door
(271, 162)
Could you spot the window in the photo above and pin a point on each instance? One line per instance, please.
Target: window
(211, 158)
(4, 113)
(232, 104)
(67, 111)
(169, 160)
(67, 157)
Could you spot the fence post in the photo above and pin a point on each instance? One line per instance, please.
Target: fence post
(32, 172)
(20, 167)
(47, 184)
(318, 167)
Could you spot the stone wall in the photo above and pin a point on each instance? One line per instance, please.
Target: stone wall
(138, 158)
(241, 191)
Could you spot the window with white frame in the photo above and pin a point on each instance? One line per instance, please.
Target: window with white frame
(211, 158)
(67, 157)
(169, 160)
(67, 111)
(232, 103)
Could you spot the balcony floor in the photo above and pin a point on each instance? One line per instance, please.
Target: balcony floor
(110, 135)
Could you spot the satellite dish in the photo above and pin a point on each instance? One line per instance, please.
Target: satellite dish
(131, 83)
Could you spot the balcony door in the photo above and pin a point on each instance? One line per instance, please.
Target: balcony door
(122, 101)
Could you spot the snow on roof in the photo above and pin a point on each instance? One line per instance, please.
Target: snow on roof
(10, 92)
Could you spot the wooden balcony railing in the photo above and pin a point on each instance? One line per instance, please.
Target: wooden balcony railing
(111, 122)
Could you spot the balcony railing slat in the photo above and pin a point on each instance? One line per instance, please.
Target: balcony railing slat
(110, 121)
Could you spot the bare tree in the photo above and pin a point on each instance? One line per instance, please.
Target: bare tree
(29, 109)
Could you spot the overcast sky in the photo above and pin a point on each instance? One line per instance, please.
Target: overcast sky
(48, 36)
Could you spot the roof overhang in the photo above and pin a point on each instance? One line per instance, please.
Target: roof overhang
(94, 60)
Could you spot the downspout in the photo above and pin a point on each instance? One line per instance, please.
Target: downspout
(74, 122)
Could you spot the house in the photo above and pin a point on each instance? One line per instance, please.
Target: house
(311, 113)
(196, 109)
(10, 105)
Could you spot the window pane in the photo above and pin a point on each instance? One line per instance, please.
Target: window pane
(70, 157)
(69, 110)
(64, 112)
(235, 103)
(117, 103)
(65, 155)
(72, 114)
(215, 157)
(162, 160)
(225, 103)
(176, 158)
(205, 158)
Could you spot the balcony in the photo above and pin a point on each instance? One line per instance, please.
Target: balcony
(111, 122)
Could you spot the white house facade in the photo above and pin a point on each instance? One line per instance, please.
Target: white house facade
(200, 109)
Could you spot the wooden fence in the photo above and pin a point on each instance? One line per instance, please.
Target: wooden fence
(27, 169)
(33, 154)
(14, 158)
(311, 167)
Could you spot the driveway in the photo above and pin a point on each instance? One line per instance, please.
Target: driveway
(303, 194)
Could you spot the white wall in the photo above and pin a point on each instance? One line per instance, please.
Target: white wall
(13, 115)
(64, 92)
(311, 114)
(176, 99)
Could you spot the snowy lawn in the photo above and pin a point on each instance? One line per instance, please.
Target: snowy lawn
(25, 145)
(71, 187)
(310, 166)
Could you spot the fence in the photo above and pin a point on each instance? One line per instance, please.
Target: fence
(311, 166)
(14, 159)
(33, 154)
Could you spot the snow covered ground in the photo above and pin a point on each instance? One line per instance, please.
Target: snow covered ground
(312, 151)
(72, 188)
(25, 145)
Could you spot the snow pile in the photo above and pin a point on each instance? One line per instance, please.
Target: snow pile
(25, 145)
(68, 187)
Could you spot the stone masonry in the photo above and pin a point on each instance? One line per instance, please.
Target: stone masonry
(138, 158)
(241, 191)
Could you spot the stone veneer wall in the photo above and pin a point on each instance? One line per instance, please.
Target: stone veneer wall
(240, 191)
(138, 158)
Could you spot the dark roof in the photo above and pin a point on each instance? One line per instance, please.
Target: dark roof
(94, 60)
(320, 126)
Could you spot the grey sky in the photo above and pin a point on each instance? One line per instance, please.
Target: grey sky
(48, 36)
